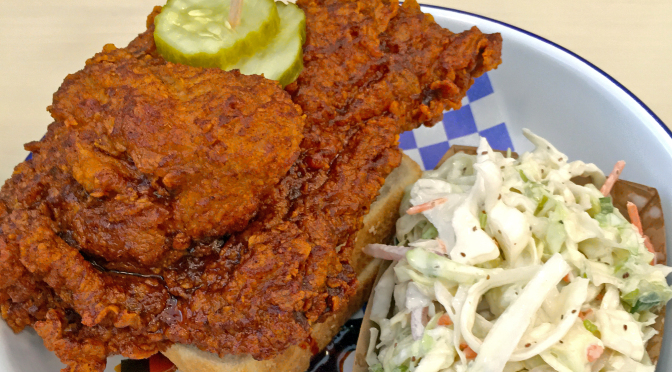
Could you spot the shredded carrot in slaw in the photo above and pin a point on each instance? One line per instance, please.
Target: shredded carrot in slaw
(469, 353)
(584, 314)
(613, 177)
(567, 279)
(594, 352)
(633, 213)
(649, 246)
(445, 320)
(426, 206)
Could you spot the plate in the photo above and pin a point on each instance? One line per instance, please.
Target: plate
(540, 85)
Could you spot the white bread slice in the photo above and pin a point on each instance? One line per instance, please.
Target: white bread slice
(378, 227)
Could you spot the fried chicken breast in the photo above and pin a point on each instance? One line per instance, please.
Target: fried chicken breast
(170, 203)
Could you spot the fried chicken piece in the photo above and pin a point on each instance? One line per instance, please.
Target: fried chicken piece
(160, 154)
(372, 70)
(289, 273)
(87, 348)
(146, 161)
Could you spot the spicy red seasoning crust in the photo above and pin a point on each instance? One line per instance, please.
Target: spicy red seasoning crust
(235, 213)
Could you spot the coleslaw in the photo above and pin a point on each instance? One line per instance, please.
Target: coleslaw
(506, 264)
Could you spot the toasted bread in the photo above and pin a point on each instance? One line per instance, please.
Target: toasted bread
(378, 227)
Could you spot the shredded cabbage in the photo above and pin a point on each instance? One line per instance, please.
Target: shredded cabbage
(508, 265)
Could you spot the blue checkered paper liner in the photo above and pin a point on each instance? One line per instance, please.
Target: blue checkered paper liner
(479, 116)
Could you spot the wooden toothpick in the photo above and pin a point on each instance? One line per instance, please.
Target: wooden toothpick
(235, 13)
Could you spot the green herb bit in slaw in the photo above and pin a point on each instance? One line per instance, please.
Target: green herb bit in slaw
(506, 264)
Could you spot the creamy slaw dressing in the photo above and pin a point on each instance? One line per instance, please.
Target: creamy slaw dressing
(506, 264)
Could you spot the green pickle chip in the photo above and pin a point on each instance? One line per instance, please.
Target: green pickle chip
(268, 40)
(282, 59)
(197, 32)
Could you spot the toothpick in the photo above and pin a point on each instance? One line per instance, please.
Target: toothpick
(235, 13)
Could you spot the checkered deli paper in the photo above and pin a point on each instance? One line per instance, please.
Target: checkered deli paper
(479, 116)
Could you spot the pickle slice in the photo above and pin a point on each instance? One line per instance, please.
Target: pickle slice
(282, 59)
(197, 32)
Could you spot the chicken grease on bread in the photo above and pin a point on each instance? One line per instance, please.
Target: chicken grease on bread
(378, 227)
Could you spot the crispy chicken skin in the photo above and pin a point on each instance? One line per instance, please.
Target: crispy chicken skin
(176, 204)
(162, 154)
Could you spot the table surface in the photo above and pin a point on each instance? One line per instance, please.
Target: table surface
(41, 42)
